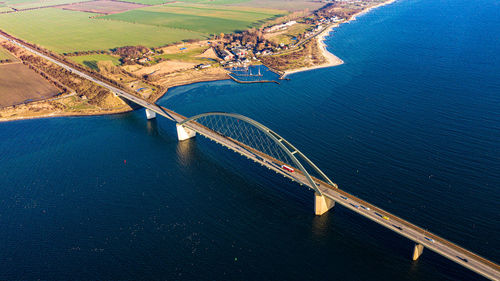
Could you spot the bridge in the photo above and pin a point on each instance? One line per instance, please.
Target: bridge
(262, 145)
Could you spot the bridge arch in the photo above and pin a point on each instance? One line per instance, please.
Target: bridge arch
(296, 156)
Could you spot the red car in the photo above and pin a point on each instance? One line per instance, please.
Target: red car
(286, 168)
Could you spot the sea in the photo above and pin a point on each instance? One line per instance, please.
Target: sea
(410, 122)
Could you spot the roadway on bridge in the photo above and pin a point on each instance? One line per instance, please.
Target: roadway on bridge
(431, 241)
(392, 222)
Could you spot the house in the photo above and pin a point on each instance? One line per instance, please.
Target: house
(202, 66)
(226, 55)
(240, 52)
(266, 52)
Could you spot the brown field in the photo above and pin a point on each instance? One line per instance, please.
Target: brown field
(18, 83)
(165, 67)
(102, 7)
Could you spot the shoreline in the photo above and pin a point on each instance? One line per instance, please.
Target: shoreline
(333, 60)
(354, 17)
(68, 114)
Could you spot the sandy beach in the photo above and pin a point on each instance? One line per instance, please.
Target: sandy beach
(332, 60)
(353, 17)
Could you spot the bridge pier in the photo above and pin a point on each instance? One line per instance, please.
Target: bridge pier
(150, 114)
(417, 251)
(322, 204)
(184, 133)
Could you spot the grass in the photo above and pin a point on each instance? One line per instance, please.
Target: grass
(24, 4)
(200, 18)
(147, 2)
(223, 12)
(213, 2)
(291, 32)
(189, 56)
(4, 9)
(92, 60)
(4, 54)
(69, 31)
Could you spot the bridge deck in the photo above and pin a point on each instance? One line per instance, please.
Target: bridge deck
(441, 246)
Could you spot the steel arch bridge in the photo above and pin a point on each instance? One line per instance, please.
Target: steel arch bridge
(266, 145)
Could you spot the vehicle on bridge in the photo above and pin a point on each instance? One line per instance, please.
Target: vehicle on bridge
(398, 227)
(287, 168)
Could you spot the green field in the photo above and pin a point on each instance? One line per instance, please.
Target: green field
(200, 18)
(212, 2)
(92, 60)
(215, 2)
(147, 2)
(4, 9)
(25, 4)
(69, 31)
(189, 55)
(291, 32)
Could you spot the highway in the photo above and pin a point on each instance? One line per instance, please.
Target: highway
(430, 241)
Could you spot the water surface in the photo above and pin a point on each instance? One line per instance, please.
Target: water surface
(410, 122)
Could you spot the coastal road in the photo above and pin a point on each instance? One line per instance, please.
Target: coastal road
(420, 236)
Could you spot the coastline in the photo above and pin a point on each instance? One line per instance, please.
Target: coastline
(333, 60)
(365, 11)
(65, 114)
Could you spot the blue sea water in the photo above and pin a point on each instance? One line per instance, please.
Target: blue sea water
(410, 122)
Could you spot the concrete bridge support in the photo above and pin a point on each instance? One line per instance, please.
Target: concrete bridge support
(150, 114)
(417, 251)
(184, 133)
(322, 204)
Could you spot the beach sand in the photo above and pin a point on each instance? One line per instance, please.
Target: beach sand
(332, 60)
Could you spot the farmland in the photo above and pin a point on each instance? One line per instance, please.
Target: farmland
(200, 18)
(102, 6)
(147, 2)
(18, 83)
(76, 31)
(4, 8)
(288, 5)
(92, 60)
(65, 31)
(29, 4)
(212, 2)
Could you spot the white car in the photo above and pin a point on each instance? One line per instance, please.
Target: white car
(429, 239)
